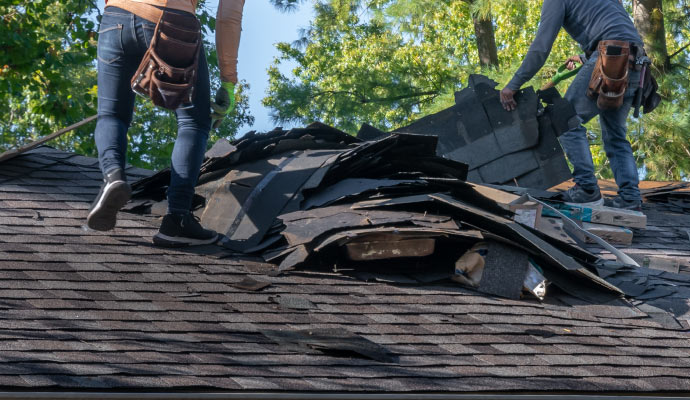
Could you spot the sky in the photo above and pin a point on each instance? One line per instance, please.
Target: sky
(262, 27)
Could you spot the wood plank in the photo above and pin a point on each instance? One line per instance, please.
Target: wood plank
(10, 154)
(611, 234)
(600, 215)
(499, 196)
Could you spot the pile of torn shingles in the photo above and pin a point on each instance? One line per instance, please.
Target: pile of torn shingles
(316, 196)
(392, 209)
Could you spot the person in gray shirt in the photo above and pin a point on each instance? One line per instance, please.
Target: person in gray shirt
(588, 22)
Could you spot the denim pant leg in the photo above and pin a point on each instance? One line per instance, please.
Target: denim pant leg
(617, 146)
(116, 65)
(575, 141)
(193, 126)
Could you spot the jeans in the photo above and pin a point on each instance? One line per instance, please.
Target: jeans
(613, 135)
(122, 41)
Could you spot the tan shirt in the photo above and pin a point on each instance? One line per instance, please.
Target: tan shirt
(228, 26)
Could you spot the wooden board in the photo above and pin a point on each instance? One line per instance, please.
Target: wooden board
(611, 234)
(499, 196)
(10, 154)
(662, 263)
(600, 215)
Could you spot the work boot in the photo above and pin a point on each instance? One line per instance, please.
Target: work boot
(114, 194)
(619, 202)
(583, 197)
(179, 230)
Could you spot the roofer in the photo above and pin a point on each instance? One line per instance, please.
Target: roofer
(598, 26)
(126, 36)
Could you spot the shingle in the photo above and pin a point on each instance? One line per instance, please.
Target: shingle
(247, 383)
(514, 348)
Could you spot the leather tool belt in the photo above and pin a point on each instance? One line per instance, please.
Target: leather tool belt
(167, 73)
(610, 75)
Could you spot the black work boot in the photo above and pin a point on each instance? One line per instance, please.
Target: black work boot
(114, 194)
(619, 202)
(178, 230)
(583, 197)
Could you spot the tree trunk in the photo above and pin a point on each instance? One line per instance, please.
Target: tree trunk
(486, 41)
(649, 20)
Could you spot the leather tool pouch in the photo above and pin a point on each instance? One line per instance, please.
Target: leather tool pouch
(167, 73)
(650, 97)
(610, 75)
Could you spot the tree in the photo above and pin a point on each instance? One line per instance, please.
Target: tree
(649, 20)
(48, 81)
(388, 62)
(484, 33)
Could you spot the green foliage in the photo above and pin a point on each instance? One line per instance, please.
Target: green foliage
(48, 81)
(286, 5)
(389, 62)
(48, 52)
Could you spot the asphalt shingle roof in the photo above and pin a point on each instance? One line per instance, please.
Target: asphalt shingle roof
(87, 310)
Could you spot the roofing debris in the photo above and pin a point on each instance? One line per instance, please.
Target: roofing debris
(613, 225)
(392, 209)
(500, 147)
(676, 196)
(317, 196)
(387, 199)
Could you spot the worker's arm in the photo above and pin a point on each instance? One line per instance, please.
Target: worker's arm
(228, 30)
(552, 17)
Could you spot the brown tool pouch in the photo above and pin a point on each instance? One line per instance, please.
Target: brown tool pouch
(167, 73)
(610, 75)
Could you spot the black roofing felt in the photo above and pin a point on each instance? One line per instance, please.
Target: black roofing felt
(108, 311)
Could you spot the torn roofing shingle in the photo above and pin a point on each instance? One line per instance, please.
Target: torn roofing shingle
(238, 208)
(501, 147)
(84, 310)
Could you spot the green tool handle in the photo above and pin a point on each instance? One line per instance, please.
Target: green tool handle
(562, 74)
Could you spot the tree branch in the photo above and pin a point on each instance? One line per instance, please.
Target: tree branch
(401, 97)
(681, 66)
(364, 100)
(679, 51)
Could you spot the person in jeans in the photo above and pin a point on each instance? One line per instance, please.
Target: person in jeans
(125, 33)
(588, 22)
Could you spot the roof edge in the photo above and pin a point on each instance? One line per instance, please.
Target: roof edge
(331, 396)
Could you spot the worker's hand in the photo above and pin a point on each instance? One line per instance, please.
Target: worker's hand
(508, 99)
(224, 104)
(570, 63)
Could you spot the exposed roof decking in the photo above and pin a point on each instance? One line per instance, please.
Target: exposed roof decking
(89, 310)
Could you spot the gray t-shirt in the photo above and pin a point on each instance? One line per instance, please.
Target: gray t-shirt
(586, 21)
